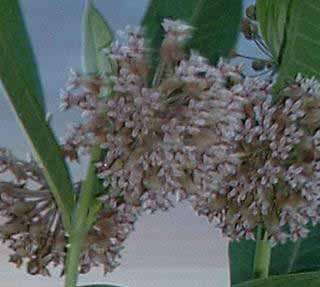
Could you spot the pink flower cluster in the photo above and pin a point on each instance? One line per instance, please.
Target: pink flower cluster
(33, 227)
(205, 133)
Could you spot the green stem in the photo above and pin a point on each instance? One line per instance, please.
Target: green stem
(76, 244)
(81, 225)
(262, 255)
(158, 74)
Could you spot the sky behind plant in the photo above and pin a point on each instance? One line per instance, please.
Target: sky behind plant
(173, 249)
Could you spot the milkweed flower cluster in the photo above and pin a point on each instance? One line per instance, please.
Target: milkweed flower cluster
(33, 227)
(275, 183)
(205, 133)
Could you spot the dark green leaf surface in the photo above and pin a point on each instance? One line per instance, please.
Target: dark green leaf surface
(292, 257)
(216, 24)
(19, 77)
(291, 29)
(272, 16)
(301, 53)
(241, 258)
(96, 36)
(311, 279)
(18, 45)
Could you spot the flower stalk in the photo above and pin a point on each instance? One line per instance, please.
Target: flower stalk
(81, 226)
(74, 252)
(262, 255)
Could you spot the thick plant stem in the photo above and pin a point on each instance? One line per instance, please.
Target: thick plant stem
(80, 222)
(74, 252)
(262, 255)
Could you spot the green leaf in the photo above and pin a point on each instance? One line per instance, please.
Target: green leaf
(20, 81)
(96, 36)
(301, 53)
(18, 45)
(241, 259)
(216, 24)
(82, 219)
(88, 208)
(300, 43)
(292, 257)
(272, 16)
(310, 279)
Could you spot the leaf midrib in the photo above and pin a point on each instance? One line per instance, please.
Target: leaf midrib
(284, 43)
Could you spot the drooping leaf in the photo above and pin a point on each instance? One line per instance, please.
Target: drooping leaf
(96, 36)
(292, 257)
(310, 279)
(300, 44)
(21, 84)
(216, 24)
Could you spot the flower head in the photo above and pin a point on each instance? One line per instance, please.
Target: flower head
(33, 227)
(155, 137)
(275, 181)
(176, 34)
(207, 134)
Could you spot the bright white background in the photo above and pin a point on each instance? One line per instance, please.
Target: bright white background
(173, 249)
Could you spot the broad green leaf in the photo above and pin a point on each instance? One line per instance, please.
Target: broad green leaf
(292, 257)
(96, 36)
(301, 53)
(21, 84)
(241, 258)
(11, 22)
(310, 279)
(216, 24)
(272, 16)
(300, 43)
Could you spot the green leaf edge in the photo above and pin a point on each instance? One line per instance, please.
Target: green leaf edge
(96, 35)
(88, 208)
(153, 30)
(28, 108)
(284, 280)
